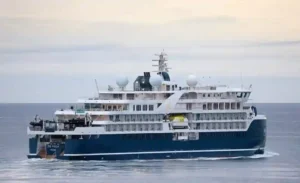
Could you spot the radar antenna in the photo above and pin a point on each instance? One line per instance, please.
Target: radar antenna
(162, 65)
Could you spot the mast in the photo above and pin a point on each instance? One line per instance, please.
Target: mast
(162, 65)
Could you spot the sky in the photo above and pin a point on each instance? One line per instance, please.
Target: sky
(52, 51)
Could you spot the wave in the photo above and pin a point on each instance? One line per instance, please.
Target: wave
(267, 154)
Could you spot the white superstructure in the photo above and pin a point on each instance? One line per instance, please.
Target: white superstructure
(158, 105)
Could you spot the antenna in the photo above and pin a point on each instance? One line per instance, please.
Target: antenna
(162, 65)
(97, 86)
(242, 85)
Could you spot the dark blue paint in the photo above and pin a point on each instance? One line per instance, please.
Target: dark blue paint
(255, 137)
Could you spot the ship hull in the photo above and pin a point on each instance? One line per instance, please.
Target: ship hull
(157, 146)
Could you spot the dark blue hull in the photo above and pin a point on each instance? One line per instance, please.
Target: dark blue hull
(158, 146)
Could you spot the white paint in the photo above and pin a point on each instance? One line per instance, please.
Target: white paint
(165, 152)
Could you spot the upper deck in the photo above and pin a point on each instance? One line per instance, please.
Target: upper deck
(158, 93)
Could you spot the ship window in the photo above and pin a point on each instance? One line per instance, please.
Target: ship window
(139, 117)
(239, 95)
(215, 106)
(151, 107)
(245, 95)
(158, 104)
(238, 106)
(87, 106)
(213, 126)
(138, 107)
(198, 117)
(227, 105)
(208, 95)
(173, 87)
(133, 107)
(232, 105)
(221, 106)
(144, 107)
(117, 96)
(146, 117)
(95, 107)
(209, 106)
(168, 87)
(130, 96)
(203, 95)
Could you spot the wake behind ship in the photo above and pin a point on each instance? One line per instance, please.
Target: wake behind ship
(158, 119)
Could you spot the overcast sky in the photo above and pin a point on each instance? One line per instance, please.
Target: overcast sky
(51, 51)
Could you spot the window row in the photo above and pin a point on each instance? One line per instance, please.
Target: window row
(134, 127)
(105, 107)
(220, 116)
(159, 136)
(136, 117)
(228, 94)
(143, 107)
(218, 126)
(194, 95)
(221, 106)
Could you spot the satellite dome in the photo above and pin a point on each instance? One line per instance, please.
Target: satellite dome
(122, 81)
(155, 80)
(192, 81)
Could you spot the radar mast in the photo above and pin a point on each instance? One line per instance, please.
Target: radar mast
(162, 65)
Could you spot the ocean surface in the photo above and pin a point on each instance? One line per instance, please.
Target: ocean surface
(281, 162)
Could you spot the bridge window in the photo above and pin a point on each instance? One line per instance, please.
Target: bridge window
(95, 106)
(87, 106)
(239, 95)
(138, 107)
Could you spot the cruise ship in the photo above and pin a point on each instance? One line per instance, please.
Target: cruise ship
(156, 119)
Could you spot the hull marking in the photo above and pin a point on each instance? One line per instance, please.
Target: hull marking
(163, 152)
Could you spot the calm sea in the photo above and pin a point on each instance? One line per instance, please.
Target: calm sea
(281, 163)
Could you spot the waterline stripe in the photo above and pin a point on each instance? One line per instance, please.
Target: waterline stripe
(31, 154)
(163, 152)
